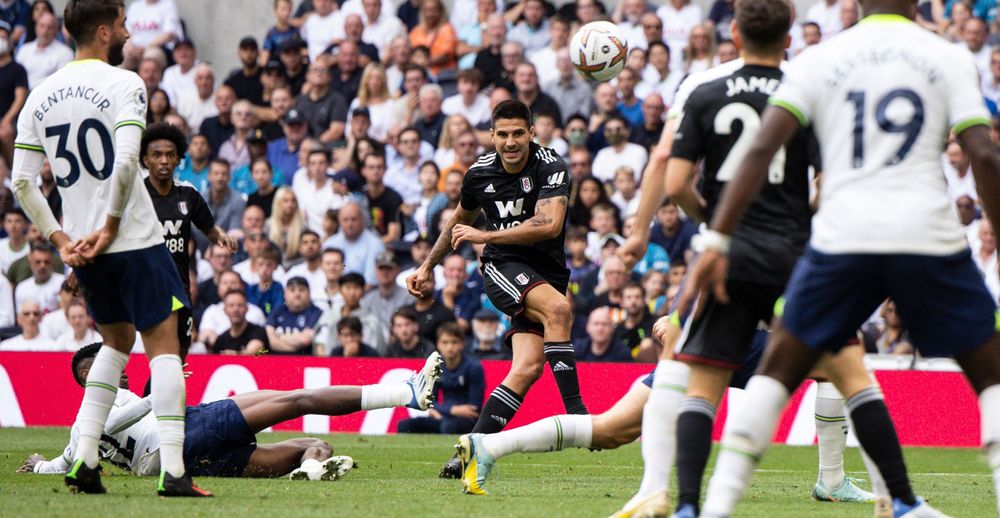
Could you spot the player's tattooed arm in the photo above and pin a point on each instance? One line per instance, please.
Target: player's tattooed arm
(547, 223)
(443, 245)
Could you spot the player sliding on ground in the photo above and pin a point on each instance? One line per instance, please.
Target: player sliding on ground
(881, 98)
(221, 438)
(523, 190)
(87, 119)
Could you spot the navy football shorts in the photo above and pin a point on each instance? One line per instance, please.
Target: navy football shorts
(942, 300)
(140, 287)
(218, 441)
(746, 370)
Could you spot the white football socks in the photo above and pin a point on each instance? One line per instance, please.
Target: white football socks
(385, 396)
(744, 443)
(659, 427)
(831, 431)
(169, 403)
(551, 434)
(98, 398)
(989, 409)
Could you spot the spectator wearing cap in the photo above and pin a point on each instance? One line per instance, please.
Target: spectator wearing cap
(469, 102)
(29, 314)
(217, 129)
(266, 293)
(352, 288)
(294, 63)
(45, 54)
(380, 28)
(13, 93)
(387, 296)
(431, 120)
(151, 23)
(533, 31)
(620, 152)
(309, 267)
(245, 81)
(571, 94)
(462, 385)
(291, 328)
(283, 153)
(460, 294)
(529, 92)
(349, 333)
(197, 103)
(488, 60)
(15, 15)
(280, 32)
(486, 340)
(323, 107)
(324, 25)
(360, 245)
(405, 340)
(43, 285)
(600, 343)
(180, 77)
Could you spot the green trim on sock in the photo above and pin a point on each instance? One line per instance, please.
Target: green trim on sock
(559, 434)
(669, 386)
(98, 384)
(826, 419)
(749, 454)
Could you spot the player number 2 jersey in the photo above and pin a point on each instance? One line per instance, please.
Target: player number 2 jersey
(509, 200)
(881, 98)
(72, 117)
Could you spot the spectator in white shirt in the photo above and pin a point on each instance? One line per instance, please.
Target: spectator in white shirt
(533, 31)
(315, 192)
(55, 323)
(974, 34)
(309, 268)
(151, 23)
(991, 82)
(199, 104)
(544, 59)
(402, 174)
(324, 27)
(620, 152)
(81, 331)
(826, 14)
(958, 172)
(469, 102)
(679, 17)
(6, 302)
(43, 285)
(380, 28)
(15, 245)
(44, 55)
(28, 316)
(627, 16)
(179, 77)
(985, 256)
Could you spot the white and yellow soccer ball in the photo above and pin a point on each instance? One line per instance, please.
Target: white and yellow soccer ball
(599, 50)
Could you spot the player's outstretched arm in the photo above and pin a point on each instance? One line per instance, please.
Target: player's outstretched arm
(681, 188)
(417, 281)
(547, 223)
(982, 154)
(27, 164)
(651, 194)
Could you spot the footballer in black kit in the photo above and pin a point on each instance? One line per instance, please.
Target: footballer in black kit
(177, 206)
(508, 200)
(719, 122)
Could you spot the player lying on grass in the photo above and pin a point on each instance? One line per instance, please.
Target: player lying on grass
(619, 425)
(220, 436)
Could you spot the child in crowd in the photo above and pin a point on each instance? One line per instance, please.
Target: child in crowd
(281, 32)
(268, 294)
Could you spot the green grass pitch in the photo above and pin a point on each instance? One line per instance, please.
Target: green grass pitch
(398, 477)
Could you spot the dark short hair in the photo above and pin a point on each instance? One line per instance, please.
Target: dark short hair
(261, 160)
(220, 162)
(635, 285)
(374, 154)
(309, 232)
(16, 211)
(511, 109)
(471, 75)
(270, 254)
(352, 278)
(658, 44)
(813, 24)
(235, 291)
(433, 165)
(163, 131)
(331, 250)
(406, 314)
(82, 17)
(409, 129)
(763, 24)
(450, 329)
(86, 352)
(351, 323)
(318, 151)
(617, 117)
(41, 246)
(576, 232)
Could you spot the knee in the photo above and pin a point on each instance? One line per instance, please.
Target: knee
(525, 375)
(559, 313)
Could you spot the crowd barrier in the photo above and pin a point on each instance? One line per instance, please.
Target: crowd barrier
(929, 407)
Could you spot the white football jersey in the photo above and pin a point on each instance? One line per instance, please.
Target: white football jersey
(882, 97)
(72, 117)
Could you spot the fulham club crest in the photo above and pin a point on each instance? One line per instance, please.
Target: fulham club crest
(526, 184)
(521, 279)
(183, 207)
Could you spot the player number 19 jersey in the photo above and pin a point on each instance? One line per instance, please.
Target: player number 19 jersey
(72, 117)
(882, 97)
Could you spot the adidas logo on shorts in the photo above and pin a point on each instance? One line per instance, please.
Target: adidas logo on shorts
(489, 189)
(499, 419)
(560, 366)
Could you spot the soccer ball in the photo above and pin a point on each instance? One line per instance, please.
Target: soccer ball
(599, 51)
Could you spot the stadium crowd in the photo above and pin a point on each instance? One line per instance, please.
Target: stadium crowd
(337, 150)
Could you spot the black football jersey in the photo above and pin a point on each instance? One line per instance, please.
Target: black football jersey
(176, 212)
(509, 200)
(719, 122)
